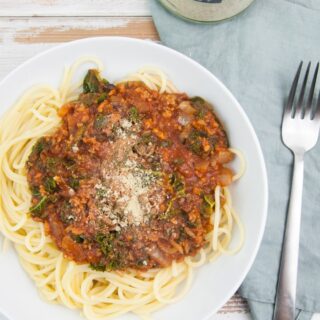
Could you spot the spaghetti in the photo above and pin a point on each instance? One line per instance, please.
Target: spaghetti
(100, 295)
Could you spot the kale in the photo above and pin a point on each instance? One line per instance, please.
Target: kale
(74, 183)
(201, 113)
(133, 114)
(147, 137)
(53, 198)
(106, 242)
(35, 191)
(111, 265)
(200, 105)
(182, 234)
(97, 266)
(51, 163)
(206, 207)
(102, 97)
(66, 214)
(69, 163)
(195, 134)
(197, 101)
(209, 200)
(176, 181)
(100, 121)
(194, 141)
(50, 185)
(39, 146)
(196, 147)
(37, 209)
(191, 224)
(171, 212)
(78, 238)
(91, 81)
(114, 264)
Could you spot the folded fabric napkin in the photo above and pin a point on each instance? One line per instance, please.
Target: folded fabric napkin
(256, 55)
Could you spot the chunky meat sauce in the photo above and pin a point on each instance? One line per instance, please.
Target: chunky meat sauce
(127, 180)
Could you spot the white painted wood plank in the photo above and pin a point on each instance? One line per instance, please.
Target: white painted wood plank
(25, 8)
(60, 29)
(236, 305)
(22, 38)
(215, 317)
(231, 316)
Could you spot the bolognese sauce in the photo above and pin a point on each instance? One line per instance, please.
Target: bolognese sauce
(127, 179)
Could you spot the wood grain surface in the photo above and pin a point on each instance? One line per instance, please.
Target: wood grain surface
(23, 37)
(72, 8)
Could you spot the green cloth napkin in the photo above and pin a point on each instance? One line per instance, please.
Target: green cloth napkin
(256, 55)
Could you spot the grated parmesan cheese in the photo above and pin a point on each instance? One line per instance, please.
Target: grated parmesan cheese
(128, 194)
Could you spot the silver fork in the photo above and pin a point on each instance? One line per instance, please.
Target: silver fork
(300, 130)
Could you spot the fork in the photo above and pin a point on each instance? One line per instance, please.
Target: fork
(300, 130)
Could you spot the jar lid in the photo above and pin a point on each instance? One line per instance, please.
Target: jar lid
(206, 10)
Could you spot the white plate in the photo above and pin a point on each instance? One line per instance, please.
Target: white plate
(213, 283)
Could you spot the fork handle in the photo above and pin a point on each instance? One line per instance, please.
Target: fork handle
(287, 283)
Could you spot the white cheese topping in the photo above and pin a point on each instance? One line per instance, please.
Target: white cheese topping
(128, 194)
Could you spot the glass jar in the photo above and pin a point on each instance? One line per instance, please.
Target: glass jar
(206, 10)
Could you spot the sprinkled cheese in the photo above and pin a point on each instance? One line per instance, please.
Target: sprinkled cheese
(128, 194)
(125, 124)
(75, 148)
(135, 210)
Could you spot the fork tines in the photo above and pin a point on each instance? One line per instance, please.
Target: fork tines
(309, 109)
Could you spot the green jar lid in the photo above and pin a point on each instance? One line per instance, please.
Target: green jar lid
(206, 10)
